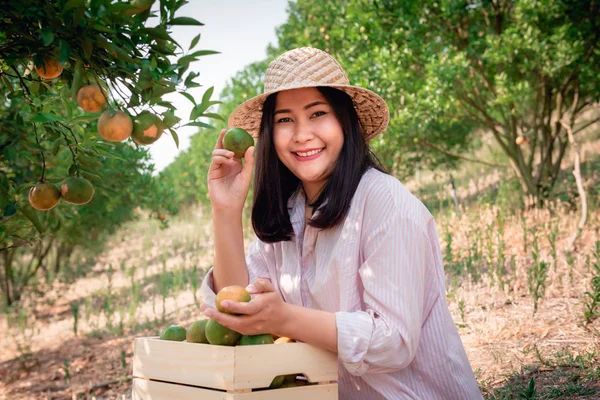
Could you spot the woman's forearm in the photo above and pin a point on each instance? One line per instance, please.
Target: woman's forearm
(229, 266)
(307, 325)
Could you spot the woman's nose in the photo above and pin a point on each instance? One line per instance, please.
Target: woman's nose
(302, 132)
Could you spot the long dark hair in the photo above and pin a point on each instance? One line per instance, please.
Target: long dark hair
(274, 183)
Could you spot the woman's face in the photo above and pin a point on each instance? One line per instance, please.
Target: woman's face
(307, 135)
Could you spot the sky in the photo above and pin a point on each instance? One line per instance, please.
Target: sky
(241, 31)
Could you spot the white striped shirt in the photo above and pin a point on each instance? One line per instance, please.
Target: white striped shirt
(380, 271)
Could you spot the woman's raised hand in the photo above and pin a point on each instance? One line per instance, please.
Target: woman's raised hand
(228, 179)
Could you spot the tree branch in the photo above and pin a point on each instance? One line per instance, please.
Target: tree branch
(579, 129)
(458, 156)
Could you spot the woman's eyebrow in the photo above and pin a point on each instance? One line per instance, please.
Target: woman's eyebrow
(285, 110)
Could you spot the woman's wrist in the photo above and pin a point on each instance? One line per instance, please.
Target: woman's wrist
(307, 325)
(226, 212)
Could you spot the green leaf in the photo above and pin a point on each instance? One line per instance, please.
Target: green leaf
(134, 101)
(200, 53)
(175, 137)
(90, 176)
(8, 84)
(86, 117)
(47, 36)
(201, 124)
(32, 216)
(87, 48)
(56, 147)
(103, 28)
(207, 94)
(184, 21)
(78, 15)
(64, 52)
(77, 74)
(157, 33)
(72, 4)
(189, 97)
(197, 111)
(10, 210)
(195, 41)
(214, 116)
(191, 76)
(46, 117)
(169, 118)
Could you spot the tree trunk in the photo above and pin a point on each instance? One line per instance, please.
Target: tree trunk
(8, 276)
(580, 189)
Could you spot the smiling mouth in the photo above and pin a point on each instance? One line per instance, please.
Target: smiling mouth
(308, 153)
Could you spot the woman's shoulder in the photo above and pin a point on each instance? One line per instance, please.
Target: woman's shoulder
(383, 197)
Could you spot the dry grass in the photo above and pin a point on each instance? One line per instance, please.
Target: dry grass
(488, 254)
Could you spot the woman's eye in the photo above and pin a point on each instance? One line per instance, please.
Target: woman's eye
(286, 119)
(319, 113)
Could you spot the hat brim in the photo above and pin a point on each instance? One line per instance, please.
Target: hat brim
(372, 110)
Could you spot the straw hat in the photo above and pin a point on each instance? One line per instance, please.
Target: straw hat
(309, 67)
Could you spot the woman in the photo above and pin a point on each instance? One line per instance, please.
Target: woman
(345, 258)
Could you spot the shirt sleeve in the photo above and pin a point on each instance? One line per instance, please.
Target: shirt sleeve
(256, 261)
(384, 336)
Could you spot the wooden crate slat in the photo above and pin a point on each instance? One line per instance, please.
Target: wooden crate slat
(282, 359)
(181, 362)
(152, 390)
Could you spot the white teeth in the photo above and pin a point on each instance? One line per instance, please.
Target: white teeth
(310, 153)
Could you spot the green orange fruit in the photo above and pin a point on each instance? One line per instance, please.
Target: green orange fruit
(76, 190)
(147, 128)
(174, 332)
(237, 140)
(220, 335)
(196, 332)
(249, 340)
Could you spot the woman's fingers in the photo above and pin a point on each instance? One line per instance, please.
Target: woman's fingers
(260, 285)
(248, 164)
(221, 156)
(236, 307)
(219, 144)
(223, 153)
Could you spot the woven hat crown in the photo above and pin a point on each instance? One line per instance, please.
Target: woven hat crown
(307, 67)
(304, 66)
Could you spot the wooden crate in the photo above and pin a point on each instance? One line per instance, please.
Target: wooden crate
(180, 370)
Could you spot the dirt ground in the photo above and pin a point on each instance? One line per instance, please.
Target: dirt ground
(41, 358)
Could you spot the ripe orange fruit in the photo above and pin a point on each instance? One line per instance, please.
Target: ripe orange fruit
(116, 127)
(147, 128)
(76, 190)
(237, 140)
(91, 98)
(520, 140)
(233, 293)
(50, 69)
(283, 340)
(44, 196)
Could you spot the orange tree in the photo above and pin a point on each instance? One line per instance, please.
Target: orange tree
(82, 91)
(524, 71)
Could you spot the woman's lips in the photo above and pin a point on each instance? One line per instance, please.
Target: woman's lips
(307, 158)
